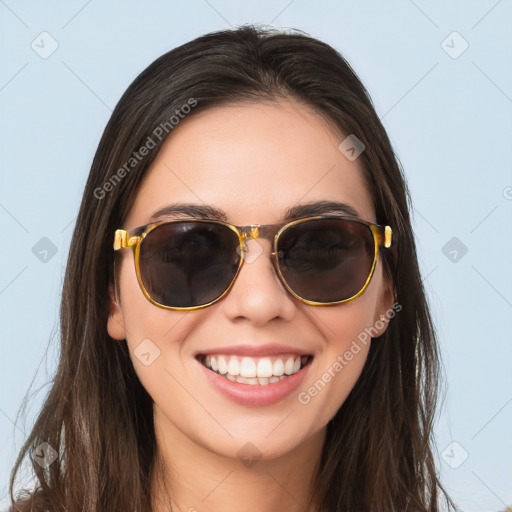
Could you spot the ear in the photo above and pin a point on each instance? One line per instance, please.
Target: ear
(386, 308)
(115, 322)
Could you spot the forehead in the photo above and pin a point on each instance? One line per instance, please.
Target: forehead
(254, 161)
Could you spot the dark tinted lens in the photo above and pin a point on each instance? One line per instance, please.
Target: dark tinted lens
(188, 264)
(326, 260)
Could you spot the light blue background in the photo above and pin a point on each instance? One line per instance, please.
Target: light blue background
(450, 121)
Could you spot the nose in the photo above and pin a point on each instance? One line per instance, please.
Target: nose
(257, 294)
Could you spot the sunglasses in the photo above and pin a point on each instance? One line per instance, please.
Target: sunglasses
(188, 264)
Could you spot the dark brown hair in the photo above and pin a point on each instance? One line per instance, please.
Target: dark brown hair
(378, 450)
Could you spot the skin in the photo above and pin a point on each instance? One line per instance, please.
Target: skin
(253, 161)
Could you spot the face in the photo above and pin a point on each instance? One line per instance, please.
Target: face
(253, 162)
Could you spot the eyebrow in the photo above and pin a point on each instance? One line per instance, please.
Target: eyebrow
(295, 212)
(189, 210)
(319, 208)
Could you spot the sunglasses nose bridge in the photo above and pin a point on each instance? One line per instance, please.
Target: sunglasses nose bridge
(250, 232)
(255, 231)
(247, 233)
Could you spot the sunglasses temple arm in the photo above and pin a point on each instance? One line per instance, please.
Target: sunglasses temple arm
(389, 239)
(122, 240)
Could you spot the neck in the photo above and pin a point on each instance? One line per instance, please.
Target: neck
(191, 478)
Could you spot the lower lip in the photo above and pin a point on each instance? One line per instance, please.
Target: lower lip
(256, 395)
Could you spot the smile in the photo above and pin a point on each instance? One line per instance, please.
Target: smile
(255, 370)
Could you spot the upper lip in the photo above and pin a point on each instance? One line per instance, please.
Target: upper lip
(267, 349)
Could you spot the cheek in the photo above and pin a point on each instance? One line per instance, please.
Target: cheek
(141, 317)
(158, 351)
(337, 369)
(352, 321)
(347, 334)
(153, 334)
(346, 330)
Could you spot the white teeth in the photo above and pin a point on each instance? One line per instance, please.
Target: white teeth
(223, 367)
(265, 367)
(234, 366)
(278, 367)
(288, 367)
(262, 381)
(248, 367)
(254, 371)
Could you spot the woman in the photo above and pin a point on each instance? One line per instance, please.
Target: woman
(243, 320)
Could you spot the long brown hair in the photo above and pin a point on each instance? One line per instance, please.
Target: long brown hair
(97, 416)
